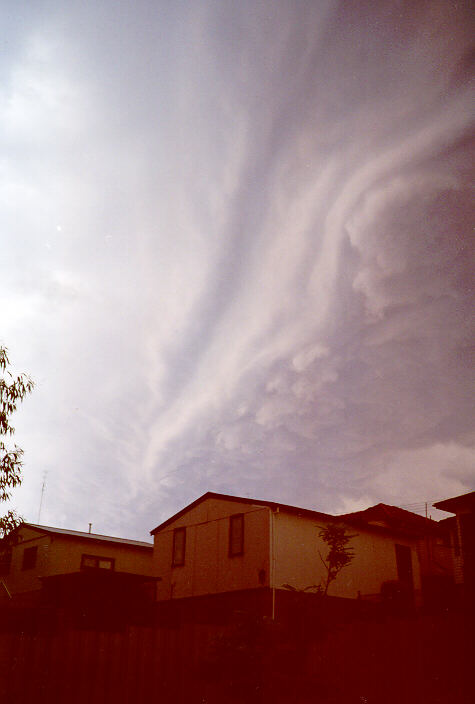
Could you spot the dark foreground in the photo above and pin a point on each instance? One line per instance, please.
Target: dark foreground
(319, 654)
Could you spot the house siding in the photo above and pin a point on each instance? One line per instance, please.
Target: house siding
(19, 580)
(65, 556)
(59, 555)
(208, 568)
(280, 548)
(298, 548)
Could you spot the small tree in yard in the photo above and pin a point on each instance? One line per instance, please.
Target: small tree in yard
(12, 391)
(312, 625)
(339, 554)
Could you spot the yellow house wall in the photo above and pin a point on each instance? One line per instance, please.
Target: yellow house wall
(212, 509)
(19, 580)
(297, 560)
(208, 569)
(57, 555)
(65, 556)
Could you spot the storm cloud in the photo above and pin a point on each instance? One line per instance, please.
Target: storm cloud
(237, 254)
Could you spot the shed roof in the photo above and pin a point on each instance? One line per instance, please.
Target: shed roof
(457, 503)
(394, 518)
(66, 533)
(95, 575)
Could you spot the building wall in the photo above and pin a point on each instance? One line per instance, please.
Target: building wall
(435, 556)
(58, 555)
(298, 563)
(465, 561)
(212, 509)
(457, 555)
(208, 568)
(19, 580)
(65, 556)
(291, 556)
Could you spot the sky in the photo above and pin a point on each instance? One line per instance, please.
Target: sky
(236, 254)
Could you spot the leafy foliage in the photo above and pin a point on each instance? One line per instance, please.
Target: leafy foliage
(339, 554)
(12, 391)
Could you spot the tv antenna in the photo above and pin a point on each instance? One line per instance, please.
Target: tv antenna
(43, 487)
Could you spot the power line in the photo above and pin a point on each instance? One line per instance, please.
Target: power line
(420, 504)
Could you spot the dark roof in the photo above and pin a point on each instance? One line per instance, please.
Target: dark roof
(395, 518)
(65, 533)
(244, 500)
(94, 575)
(354, 519)
(457, 503)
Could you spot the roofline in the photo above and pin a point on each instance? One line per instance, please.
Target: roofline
(451, 505)
(421, 526)
(274, 506)
(76, 534)
(360, 522)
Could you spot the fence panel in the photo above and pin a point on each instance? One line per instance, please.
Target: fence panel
(409, 660)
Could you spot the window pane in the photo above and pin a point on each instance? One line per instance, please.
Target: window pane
(179, 542)
(29, 558)
(236, 534)
(97, 562)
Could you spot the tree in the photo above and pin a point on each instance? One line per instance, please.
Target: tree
(339, 554)
(12, 391)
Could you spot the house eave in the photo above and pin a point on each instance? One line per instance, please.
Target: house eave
(272, 505)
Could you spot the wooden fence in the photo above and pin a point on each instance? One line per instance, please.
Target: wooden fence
(416, 659)
(78, 666)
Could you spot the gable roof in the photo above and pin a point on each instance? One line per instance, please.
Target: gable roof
(387, 518)
(395, 518)
(65, 533)
(285, 508)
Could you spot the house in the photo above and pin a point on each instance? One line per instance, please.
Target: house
(462, 538)
(39, 553)
(432, 547)
(227, 544)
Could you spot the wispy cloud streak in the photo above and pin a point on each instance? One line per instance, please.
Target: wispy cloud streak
(241, 247)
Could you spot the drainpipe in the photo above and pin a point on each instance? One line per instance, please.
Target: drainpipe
(272, 560)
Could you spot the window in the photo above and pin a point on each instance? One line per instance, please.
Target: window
(29, 558)
(94, 562)
(179, 545)
(236, 534)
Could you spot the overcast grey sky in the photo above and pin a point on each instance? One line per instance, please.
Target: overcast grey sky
(236, 253)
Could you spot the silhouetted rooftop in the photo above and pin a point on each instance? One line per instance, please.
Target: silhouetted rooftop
(395, 518)
(89, 536)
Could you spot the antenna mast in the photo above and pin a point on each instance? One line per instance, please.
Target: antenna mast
(43, 487)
